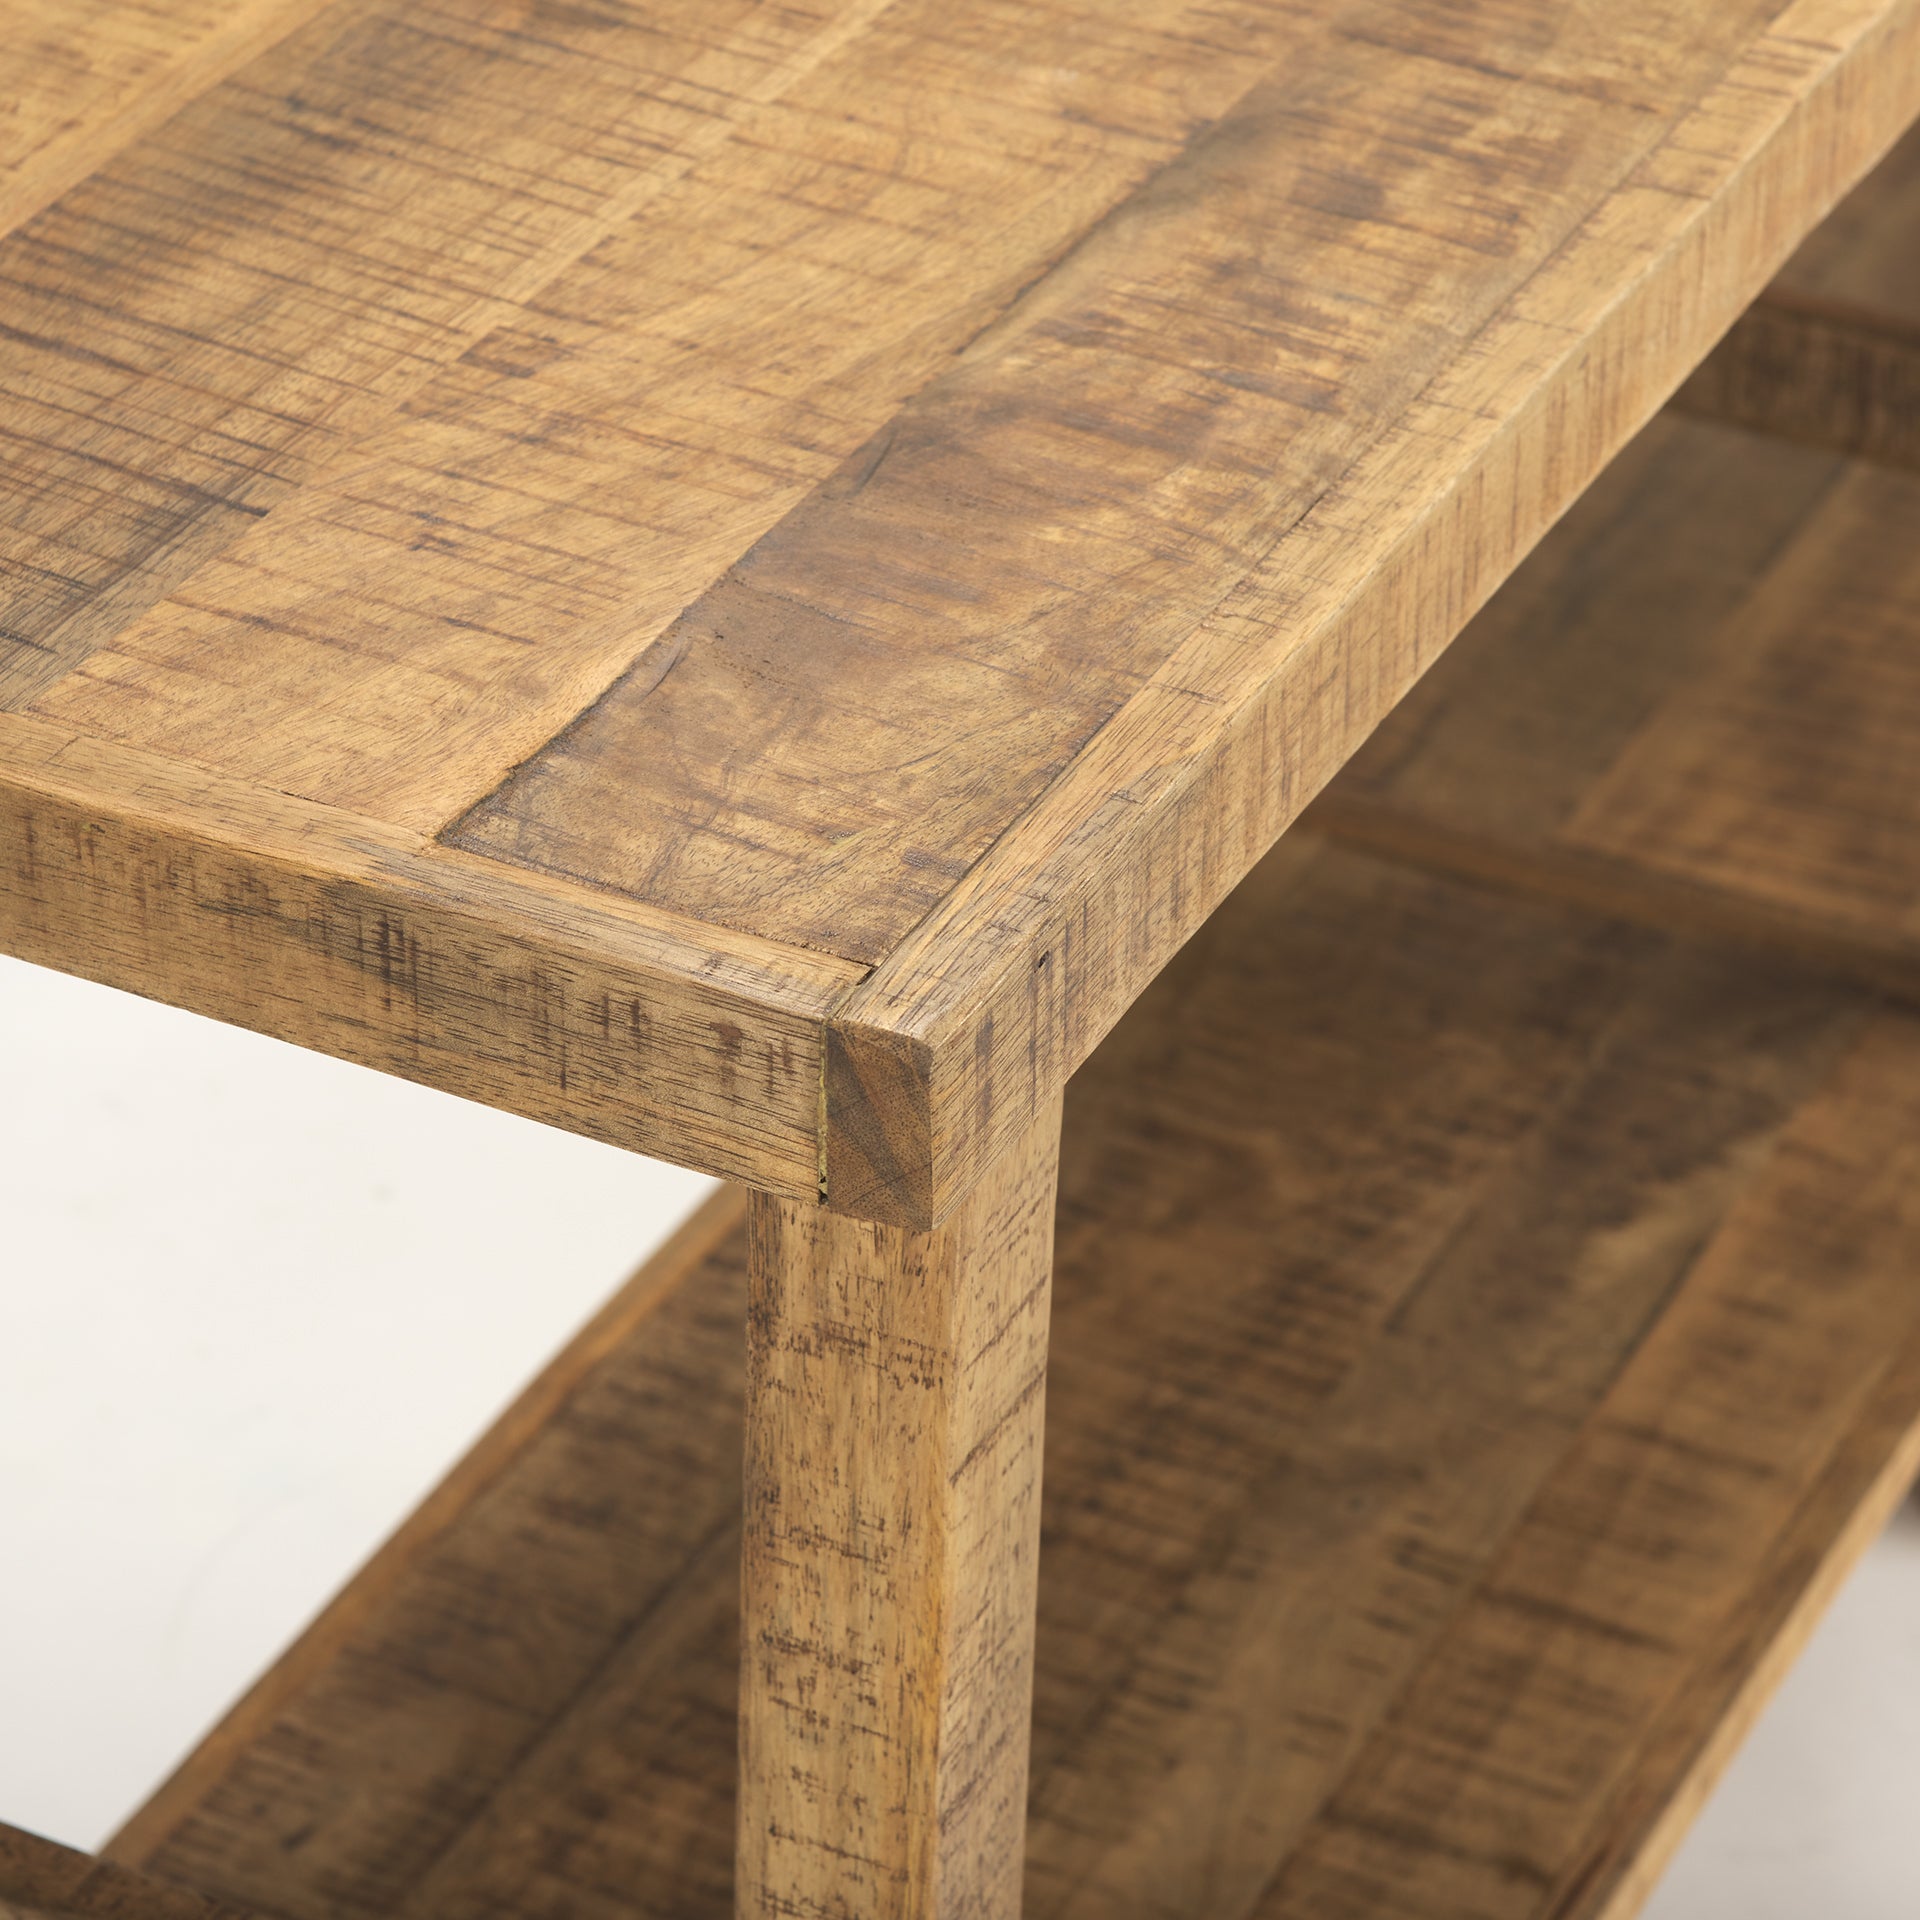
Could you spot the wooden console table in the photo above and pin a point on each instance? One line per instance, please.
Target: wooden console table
(747, 577)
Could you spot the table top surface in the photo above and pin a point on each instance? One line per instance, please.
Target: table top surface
(739, 576)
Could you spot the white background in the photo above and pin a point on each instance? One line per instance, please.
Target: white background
(253, 1302)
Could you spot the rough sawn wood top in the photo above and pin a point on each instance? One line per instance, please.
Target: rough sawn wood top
(739, 577)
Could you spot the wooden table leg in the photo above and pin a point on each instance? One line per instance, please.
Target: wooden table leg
(895, 1405)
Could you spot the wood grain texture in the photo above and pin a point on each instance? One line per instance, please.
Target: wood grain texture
(1873, 1472)
(916, 653)
(699, 1256)
(84, 78)
(199, 325)
(569, 1006)
(1831, 355)
(40, 1880)
(1512, 1306)
(1451, 1247)
(1700, 702)
(1649, 1537)
(936, 484)
(581, 1574)
(896, 1408)
(791, 247)
(1012, 979)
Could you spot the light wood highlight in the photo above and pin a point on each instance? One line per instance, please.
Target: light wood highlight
(85, 78)
(896, 1407)
(252, 289)
(764, 231)
(1481, 1293)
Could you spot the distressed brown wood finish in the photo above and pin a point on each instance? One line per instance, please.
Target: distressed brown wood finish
(553, 447)
(1784, 770)
(86, 77)
(910, 659)
(896, 1405)
(928, 486)
(568, 1005)
(740, 578)
(1012, 978)
(1490, 1355)
(1699, 703)
(673, 1328)
(42, 1881)
(562, 1632)
(199, 325)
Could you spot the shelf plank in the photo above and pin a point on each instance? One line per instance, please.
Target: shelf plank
(1700, 700)
(41, 1880)
(577, 1542)
(1831, 376)
(1669, 1520)
(1506, 1304)
(923, 489)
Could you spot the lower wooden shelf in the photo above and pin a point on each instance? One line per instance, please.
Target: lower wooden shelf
(1485, 1330)
(1698, 703)
(41, 1880)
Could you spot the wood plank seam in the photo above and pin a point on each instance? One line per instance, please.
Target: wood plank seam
(380, 392)
(81, 142)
